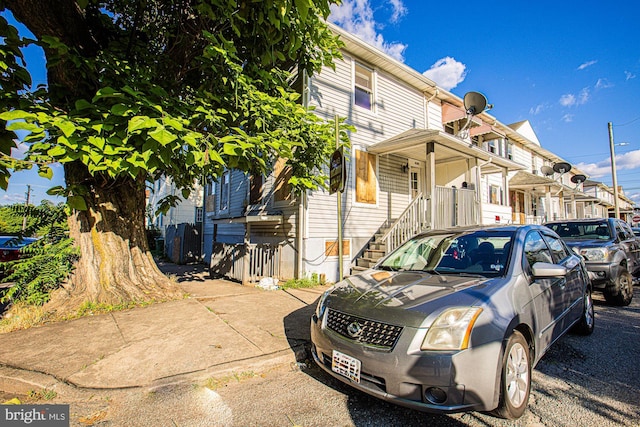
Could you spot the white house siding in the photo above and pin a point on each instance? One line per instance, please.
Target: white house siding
(185, 212)
(397, 109)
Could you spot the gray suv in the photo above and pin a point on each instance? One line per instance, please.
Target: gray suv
(611, 252)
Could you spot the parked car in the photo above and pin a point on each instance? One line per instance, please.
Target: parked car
(10, 247)
(636, 231)
(454, 320)
(611, 251)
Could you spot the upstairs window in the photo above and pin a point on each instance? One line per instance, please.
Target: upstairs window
(366, 182)
(225, 190)
(363, 90)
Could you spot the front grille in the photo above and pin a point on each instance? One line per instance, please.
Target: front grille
(371, 332)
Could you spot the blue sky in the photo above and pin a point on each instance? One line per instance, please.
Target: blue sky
(569, 67)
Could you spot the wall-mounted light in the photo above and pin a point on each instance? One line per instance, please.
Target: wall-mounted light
(405, 168)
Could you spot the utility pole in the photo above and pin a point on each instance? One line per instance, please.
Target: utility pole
(26, 204)
(614, 176)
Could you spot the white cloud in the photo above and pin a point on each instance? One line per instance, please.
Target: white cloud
(356, 17)
(626, 161)
(447, 72)
(567, 118)
(629, 75)
(399, 10)
(570, 100)
(603, 84)
(534, 111)
(567, 100)
(586, 65)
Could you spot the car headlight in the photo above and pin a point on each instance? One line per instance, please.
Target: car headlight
(321, 307)
(595, 254)
(452, 329)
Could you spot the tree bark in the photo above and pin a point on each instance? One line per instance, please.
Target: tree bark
(115, 264)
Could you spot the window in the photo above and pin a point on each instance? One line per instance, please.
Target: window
(199, 214)
(535, 249)
(495, 195)
(255, 189)
(225, 189)
(210, 204)
(282, 188)
(363, 90)
(366, 186)
(509, 150)
(558, 250)
(491, 146)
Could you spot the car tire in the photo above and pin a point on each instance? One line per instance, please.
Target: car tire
(515, 379)
(587, 321)
(621, 293)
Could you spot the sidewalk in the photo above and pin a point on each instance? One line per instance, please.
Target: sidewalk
(222, 327)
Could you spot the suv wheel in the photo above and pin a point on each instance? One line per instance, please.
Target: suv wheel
(621, 292)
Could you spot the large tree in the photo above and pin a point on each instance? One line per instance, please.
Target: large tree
(138, 89)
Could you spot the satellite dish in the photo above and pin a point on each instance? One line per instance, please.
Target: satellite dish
(577, 179)
(546, 170)
(474, 103)
(562, 167)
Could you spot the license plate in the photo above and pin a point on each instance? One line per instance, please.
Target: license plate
(346, 366)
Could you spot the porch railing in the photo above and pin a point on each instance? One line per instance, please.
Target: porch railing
(414, 219)
(228, 260)
(455, 207)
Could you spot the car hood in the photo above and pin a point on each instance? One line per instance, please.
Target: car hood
(405, 297)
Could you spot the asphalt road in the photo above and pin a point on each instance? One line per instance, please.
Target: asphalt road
(582, 381)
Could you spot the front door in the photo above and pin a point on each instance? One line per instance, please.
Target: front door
(415, 181)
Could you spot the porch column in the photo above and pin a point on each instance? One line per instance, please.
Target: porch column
(548, 212)
(246, 259)
(431, 180)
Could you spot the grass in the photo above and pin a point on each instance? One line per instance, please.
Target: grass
(44, 394)
(24, 316)
(312, 282)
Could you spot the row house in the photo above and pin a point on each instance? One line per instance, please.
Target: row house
(418, 160)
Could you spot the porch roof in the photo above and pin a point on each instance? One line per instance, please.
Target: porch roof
(524, 180)
(448, 148)
(249, 219)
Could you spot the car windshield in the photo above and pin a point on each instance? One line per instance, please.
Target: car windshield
(482, 252)
(582, 230)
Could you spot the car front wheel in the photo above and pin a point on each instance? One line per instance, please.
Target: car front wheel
(587, 321)
(621, 292)
(515, 384)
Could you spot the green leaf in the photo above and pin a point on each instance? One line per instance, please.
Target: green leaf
(45, 172)
(77, 202)
(303, 8)
(119, 110)
(83, 104)
(16, 115)
(56, 191)
(57, 151)
(67, 127)
(163, 136)
(141, 122)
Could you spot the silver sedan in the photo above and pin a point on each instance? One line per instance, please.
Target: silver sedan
(454, 320)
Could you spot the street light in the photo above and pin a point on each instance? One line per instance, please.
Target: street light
(614, 176)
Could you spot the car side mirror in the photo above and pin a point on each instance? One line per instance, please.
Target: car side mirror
(545, 269)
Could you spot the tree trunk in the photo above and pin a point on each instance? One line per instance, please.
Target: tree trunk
(115, 264)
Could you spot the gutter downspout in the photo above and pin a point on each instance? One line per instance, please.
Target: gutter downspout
(478, 189)
(302, 204)
(426, 108)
